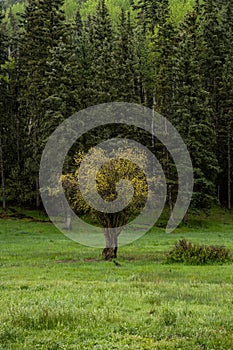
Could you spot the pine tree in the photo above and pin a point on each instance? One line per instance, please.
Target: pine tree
(103, 66)
(216, 68)
(62, 100)
(3, 121)
(83, 60)
(225, 122)
(212, 53)
(43, 31)
(193, 116)
(148, 13)
(225, 133)
(164, 46)
(144, 67)
(126, 62)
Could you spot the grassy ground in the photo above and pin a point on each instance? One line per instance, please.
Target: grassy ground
(57, 294)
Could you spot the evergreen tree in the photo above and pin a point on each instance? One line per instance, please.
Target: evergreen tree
(103, 65)
(148, 13)
(9, 123)
(193, 116)
(83, 60)
(225, 122)
(126, 63)
(213, 55)
(62, 100)
(3, 119)
(164, 46)
(225, 133)
(216, 67)
(144, 68)
(43, 31)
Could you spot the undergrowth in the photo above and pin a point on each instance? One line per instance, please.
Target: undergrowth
(197, 254)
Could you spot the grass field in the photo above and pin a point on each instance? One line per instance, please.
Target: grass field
(57, 294)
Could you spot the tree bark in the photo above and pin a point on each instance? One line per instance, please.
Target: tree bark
(68, 224)
(37, 193)
(228, 170)
(111, 243)
(170, 202)
(2, 176)
(185, 218)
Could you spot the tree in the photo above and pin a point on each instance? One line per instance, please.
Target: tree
(3, 117)
(113, 170)
(212, 57)
(225, 124)
(193, 112)
(103, 64)
(43, 32)
(62, 82)
(148, 13)
(164, 43)
(126, 61)
(83, 52)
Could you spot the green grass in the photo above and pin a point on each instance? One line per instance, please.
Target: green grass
(57, 294)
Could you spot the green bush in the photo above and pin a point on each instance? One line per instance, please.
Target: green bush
(196, 254)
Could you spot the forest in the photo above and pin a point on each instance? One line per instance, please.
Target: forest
(162, 289)
(57, 58)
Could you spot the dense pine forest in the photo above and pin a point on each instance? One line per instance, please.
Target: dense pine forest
(57, 58)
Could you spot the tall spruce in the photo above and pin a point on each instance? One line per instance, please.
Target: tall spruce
(164, 45)
(84, 54)
(103, 65)
(43, 31)
(126, 61)
(225, 123)
(3, 106)
(148, 13)
(213, 55)
(193, 113)
(10, 72)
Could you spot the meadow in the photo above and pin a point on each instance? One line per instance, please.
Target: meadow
(57, 294)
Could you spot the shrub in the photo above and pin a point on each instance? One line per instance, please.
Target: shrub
(196, 254)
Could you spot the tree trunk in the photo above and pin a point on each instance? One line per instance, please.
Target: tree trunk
(2, 176)
(68, 225)
(228, 170)
(170, 202)
(185, 218)
(37, 193)
(111, 243)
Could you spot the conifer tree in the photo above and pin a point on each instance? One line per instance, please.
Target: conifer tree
(144, 65)
(83, 59)
(43, 31)
(225, 123)
(164, 46)
(193, 113)
(148, 13)
(3, 119)
(103, 66)
(125, 57)
(212, 57)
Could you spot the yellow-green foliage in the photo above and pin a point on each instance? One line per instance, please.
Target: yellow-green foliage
(109, 175)
(178, 8)
(114, 7)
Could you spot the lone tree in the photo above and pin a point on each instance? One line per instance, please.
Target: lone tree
(107, 184)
